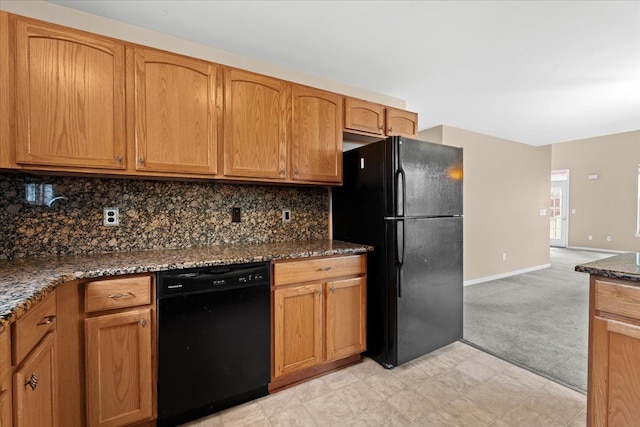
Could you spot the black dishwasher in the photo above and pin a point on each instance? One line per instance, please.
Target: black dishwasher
(214, 328)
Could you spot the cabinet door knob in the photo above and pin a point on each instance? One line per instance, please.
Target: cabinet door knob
(143, 322)
(391, 129)
(32, 382)
(47, 320)
(319, 292)
(380, 127)
(332, 289)
(141, 161)
(283, 171)
(295, 171)
(119, 159)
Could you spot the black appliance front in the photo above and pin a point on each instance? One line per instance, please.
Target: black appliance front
(414, 279)
(213, 339)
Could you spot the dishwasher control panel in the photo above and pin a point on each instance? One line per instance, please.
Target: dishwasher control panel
(207, 279)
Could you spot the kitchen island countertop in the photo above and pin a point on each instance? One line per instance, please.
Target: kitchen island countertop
(623, 266)
(25, 281)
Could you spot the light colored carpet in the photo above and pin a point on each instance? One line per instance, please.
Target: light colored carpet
(537, 320)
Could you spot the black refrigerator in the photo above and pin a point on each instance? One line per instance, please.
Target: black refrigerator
(404, 198)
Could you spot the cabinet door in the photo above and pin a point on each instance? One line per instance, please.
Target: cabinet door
(316, 139)
(175, 126)
(257, 111)
(363, 116)
(34, 387)
(5, 379)
(70, 98)
(346, 317)
(119, 368)
(297, 328)
(401, 122)
(614, 390)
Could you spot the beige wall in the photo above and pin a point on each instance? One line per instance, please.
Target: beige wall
(505, 186)
(606, 206)
(81, 20)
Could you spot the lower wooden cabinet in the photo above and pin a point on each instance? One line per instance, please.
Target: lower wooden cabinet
(5, 379)
(614, 354)
(119, 368)
(318, 322)
(34, 386)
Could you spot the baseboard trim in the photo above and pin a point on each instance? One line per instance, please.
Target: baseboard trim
(613, 251)
(503, 275)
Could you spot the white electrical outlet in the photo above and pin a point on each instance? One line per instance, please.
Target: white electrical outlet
(504, 256)
(608, 238)
(286, 215)
(590, 237)
(111, 217)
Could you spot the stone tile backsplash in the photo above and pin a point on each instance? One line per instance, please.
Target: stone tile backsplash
(55, 215)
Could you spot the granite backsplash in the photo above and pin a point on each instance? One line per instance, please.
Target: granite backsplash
(64, 215)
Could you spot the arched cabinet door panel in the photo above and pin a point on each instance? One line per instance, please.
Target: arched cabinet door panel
(69, 98)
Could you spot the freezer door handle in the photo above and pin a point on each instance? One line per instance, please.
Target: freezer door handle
(400, 238)
(401, 187)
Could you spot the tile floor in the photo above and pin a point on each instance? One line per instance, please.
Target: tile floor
(457, 385)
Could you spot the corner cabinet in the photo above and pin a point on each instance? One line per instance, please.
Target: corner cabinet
(316, 140)
(319, 316)
(256, 125)
(5, 379)
(35, 380)
(614, 352)
(174, 103)
(69, 97)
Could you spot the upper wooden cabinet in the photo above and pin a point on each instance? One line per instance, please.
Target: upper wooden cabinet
(363, 116)
(373, 119)
(175, 112)
(256, 121)
(69, 97)
(316, 140)
(401, 122)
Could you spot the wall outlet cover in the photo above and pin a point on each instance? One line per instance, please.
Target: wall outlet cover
(111, 217)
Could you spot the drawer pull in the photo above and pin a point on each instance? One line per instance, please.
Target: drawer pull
(324, 269)
(47, 320)
(120, 295)
(33, 382)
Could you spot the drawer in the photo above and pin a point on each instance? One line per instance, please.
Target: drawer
(617, 299)
(318, 269)
(32, 327)
(109, 294)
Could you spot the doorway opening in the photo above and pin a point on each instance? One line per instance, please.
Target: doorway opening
(559, 208)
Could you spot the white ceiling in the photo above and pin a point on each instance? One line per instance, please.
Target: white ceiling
(536, 72)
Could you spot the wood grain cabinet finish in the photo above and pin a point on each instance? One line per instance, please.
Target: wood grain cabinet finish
(34, 387)
(5, 379)
(614, 354)
(364, 116)
(320, 320)
(316, 139)
(298, 333)
(175, 113)
(32, 327)
(401, 122)
(69, 98)
(257, 112)
(119, 368)
(346, 302)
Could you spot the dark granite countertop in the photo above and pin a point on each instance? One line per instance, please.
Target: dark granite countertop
(25, 281)
(624, 266)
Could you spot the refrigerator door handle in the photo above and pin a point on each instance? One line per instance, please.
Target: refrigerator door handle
(400, 248)
(402, 192)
